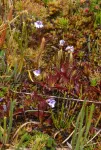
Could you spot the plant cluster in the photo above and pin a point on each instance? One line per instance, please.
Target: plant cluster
(50, 63)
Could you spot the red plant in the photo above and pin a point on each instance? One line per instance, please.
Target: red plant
(4, 28)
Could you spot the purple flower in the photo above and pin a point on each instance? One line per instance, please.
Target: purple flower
(38, 24)
(37, 72)
(51, 102)
(70, 48)
(1, 99)
(61, 42)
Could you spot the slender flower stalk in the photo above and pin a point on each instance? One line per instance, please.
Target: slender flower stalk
(4, 107)
(70, 50)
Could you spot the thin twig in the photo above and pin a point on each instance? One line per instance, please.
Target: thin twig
(70, 99)
(69, 145)
(33, 110)
(31, 122)
(93, 137)
(57, 133)
(68, 137)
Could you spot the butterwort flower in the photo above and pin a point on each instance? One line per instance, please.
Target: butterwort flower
(61, 42)
(37, 72)
(51, 102)
(1, 99)
(70, 48)
(38, 24)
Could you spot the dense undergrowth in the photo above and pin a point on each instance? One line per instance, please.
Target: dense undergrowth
(50, 74)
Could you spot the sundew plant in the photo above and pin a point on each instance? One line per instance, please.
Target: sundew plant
(50, 74)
